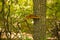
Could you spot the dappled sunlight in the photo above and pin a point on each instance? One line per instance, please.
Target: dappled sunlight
(30, 19)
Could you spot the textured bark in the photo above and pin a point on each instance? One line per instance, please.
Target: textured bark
(39, 29)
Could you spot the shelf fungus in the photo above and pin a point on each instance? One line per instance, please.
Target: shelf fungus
(32, 16)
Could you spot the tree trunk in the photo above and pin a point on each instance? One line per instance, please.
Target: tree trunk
(39, 28)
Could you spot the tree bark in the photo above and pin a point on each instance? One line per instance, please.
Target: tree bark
(39, 28)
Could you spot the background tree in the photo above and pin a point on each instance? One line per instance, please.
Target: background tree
(39, 29)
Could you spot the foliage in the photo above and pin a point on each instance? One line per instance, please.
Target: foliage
(13, 15)
(52, 16)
